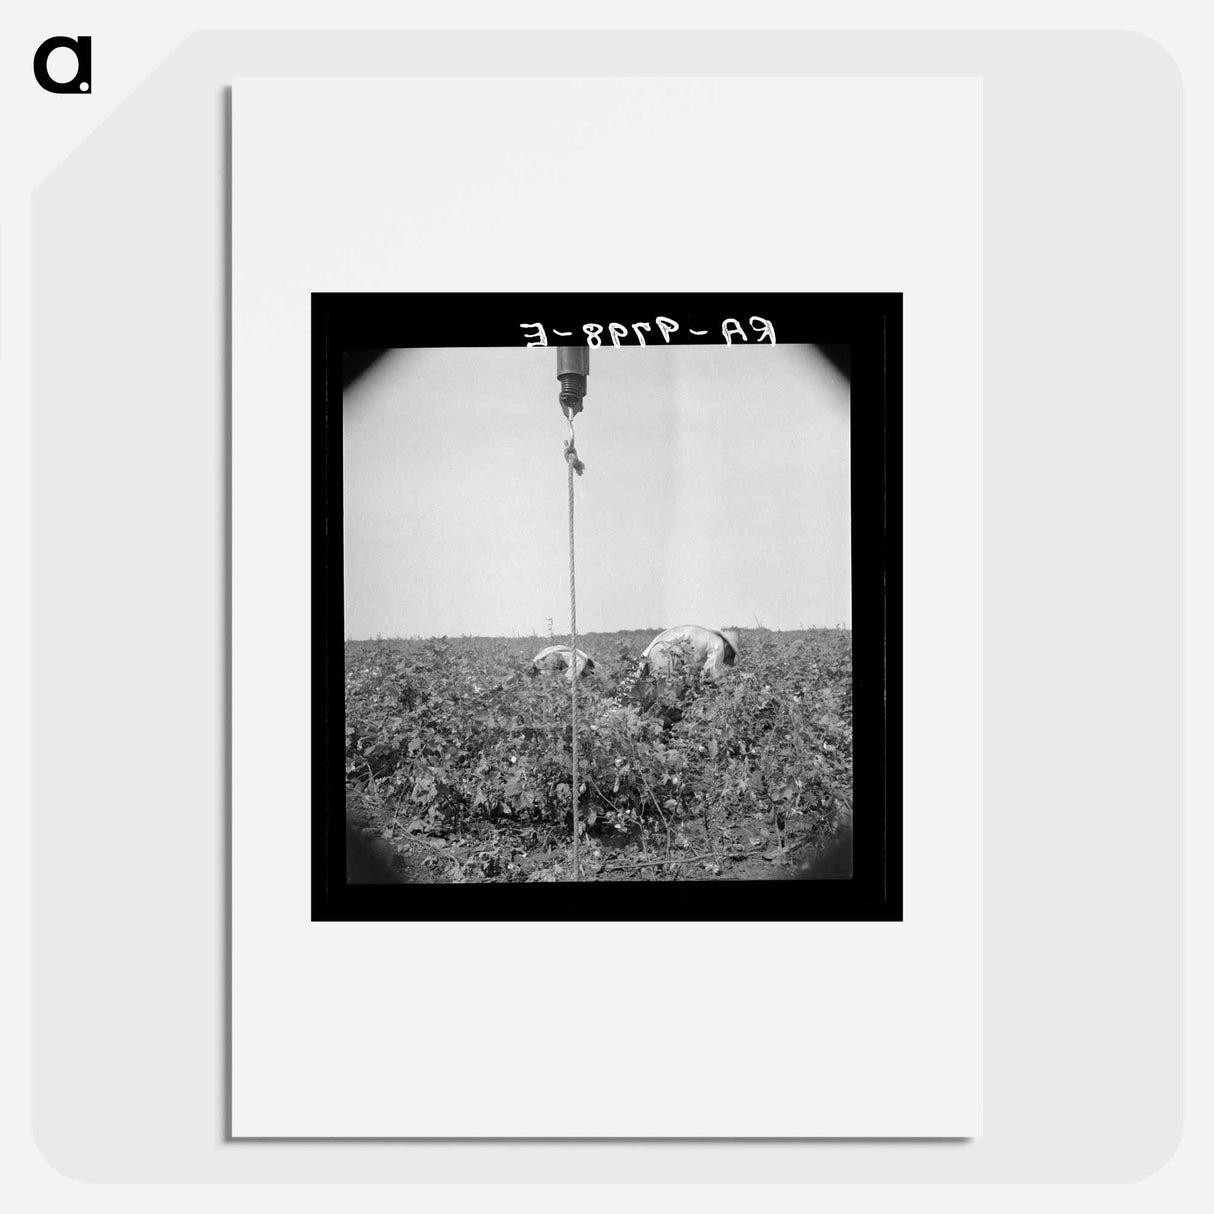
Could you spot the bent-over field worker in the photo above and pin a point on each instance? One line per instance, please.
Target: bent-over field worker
(690, 646)
(558, 657)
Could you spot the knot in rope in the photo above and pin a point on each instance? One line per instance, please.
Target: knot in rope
(571, 458)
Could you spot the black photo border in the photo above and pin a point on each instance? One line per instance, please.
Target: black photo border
(871, 325)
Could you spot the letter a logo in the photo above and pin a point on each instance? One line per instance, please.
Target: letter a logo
(82, 81)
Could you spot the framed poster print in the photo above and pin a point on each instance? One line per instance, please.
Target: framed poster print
(786, 482)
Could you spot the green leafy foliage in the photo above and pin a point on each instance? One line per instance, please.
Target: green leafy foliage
(462, 756)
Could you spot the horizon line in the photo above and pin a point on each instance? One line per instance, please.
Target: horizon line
(557, 637)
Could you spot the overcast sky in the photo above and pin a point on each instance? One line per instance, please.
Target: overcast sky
(716, 491)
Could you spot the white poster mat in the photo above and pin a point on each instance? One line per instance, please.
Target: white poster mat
(605, 1030)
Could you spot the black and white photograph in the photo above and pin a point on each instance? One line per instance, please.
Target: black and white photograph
(612, 606)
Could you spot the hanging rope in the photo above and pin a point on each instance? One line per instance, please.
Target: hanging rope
(574, 465)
